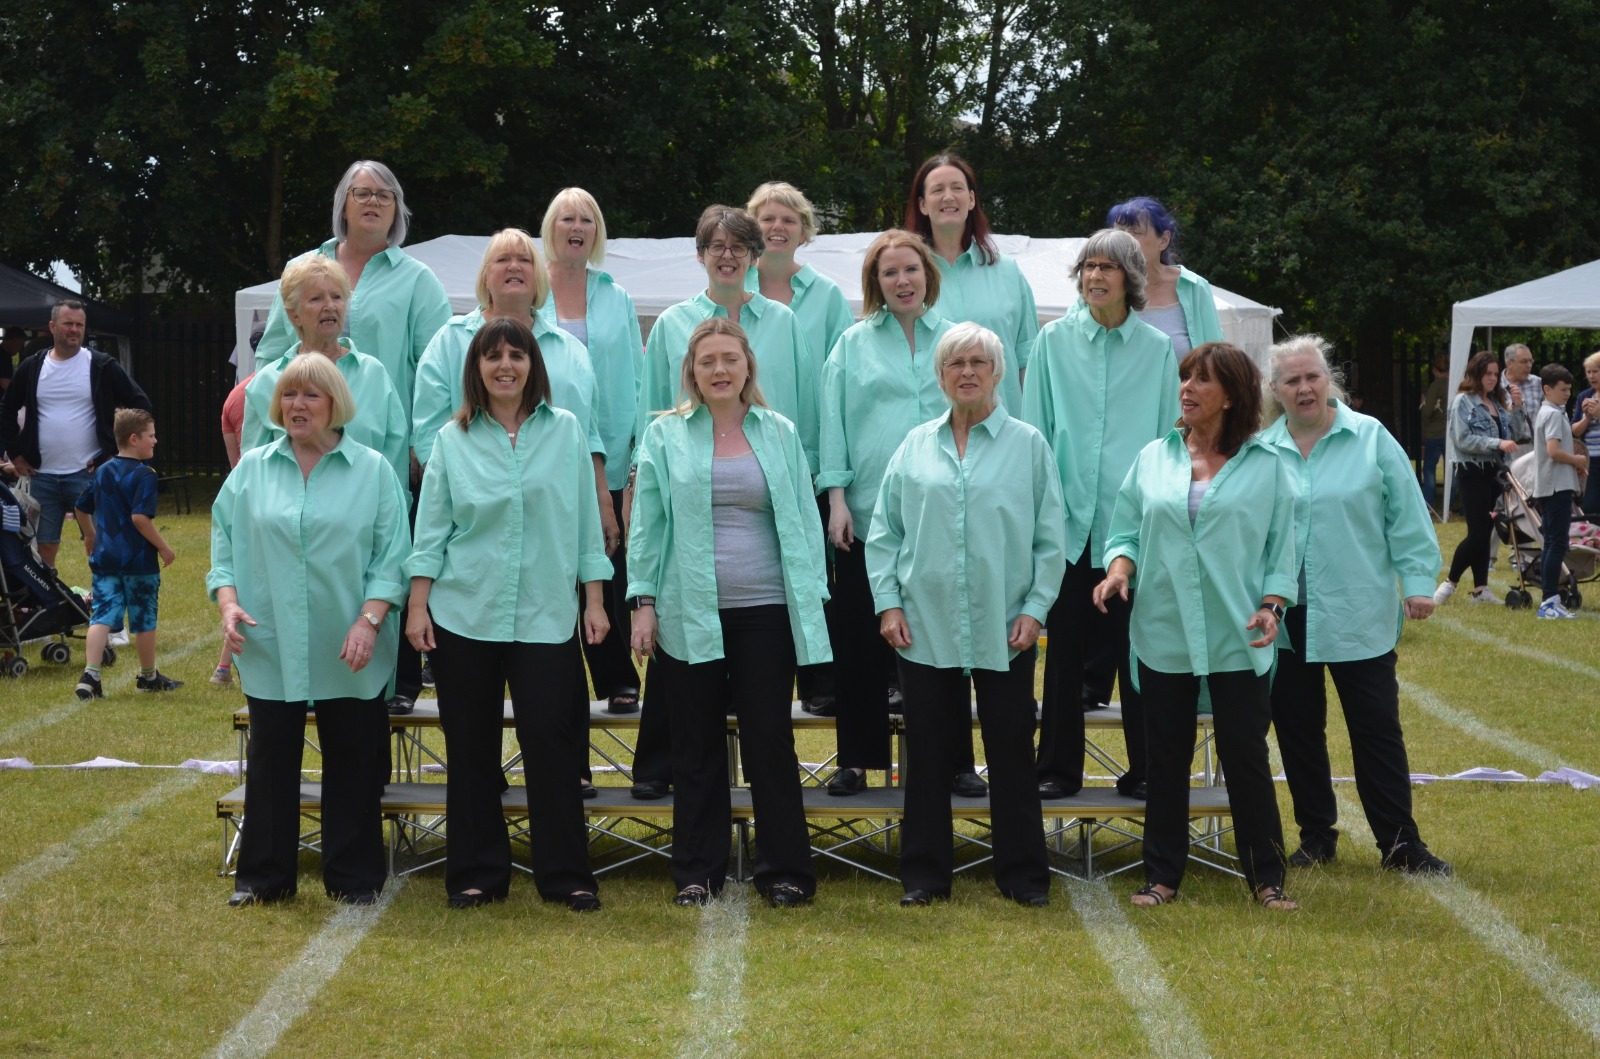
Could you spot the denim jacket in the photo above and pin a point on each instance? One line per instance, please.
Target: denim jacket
(1476, 433)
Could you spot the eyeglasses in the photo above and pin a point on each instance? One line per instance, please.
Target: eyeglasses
(961, 364)
(738, 251)
(382, 196)
(1107, 267)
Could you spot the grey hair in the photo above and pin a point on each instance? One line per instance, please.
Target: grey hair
(1294, 346)
(965, 336)
(1124, 249)
(1512, 348)
(385, 177)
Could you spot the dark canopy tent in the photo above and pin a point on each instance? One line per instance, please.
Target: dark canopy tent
(25, 301)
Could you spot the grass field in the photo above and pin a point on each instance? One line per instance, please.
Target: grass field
(114, 938)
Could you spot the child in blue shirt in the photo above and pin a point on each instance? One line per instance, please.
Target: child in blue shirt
(126, 552)
(1558, 474)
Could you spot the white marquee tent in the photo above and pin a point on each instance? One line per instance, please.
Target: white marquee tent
(1565, 299)
(662, 272)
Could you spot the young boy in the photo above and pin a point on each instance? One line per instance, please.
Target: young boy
(1558, 473)
(123, 546)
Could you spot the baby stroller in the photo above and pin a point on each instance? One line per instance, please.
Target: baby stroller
(1519, 527)
(34, 603)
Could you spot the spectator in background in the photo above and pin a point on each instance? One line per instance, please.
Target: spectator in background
(1583, 426)
(69, 394)
(10, 353)
(1558, 478)
(1526, 393)
(1435, 415)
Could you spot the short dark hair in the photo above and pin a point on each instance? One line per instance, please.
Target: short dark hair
(518, 335)
(1554, 375)
(67, 303)
(127, 422)
(1240, 379)
(739, 226)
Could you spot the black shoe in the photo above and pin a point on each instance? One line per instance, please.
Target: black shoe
(427, 673)
(969, 785)
(583, 901)
(587, 789)
(624, 701)
(1310, 854)
(465, 900)
(1050, 790)
(845, 782)
(356, 897)
(401, 705)
(650, 790)
(1137, 790)
(244, 899)
(918, 898)
(89, 687)
(692, 895)
(1031, 898)
(156, 682)
(819, 705)
(786, 895)
(1414, 858)
(897, 701)
(1090, 705)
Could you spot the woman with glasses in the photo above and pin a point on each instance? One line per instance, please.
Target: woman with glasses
(1104, 384)
(727, 243)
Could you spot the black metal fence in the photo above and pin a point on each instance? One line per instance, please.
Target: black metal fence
(182, 363)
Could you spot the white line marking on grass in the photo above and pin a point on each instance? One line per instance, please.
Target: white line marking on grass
(1521, 650)
(291, 994)
(1576, 998)
(718, 996)
(1167, 1024)
(29, 725)
(1466, 722)
(90, 835)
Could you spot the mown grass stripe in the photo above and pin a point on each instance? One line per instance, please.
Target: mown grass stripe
(1166, 1020)
(291, 994)
(1465, 722)
(1519, 649)
(717, 1012)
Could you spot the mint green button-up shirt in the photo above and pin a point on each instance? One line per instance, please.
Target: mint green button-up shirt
(784, 366)
(397, 306)
(615, 352)
(573, 385)
(1098, 397)
(964, 545)
(1362, 533)
(818, 303)
(875, 390)
(1196, 588)
(304, 553)
(380, 422)
(998, 297)
(1199, 308)
(505, 531)
(670, 543)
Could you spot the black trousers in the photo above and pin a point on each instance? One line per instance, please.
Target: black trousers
(472, 676)
(610, 668)
(408, 662)
(863, 663)
(354, 736)
(1479, 490)
(938, 723)
(1370, 698)
(652, 749)
(1241, 711)
(1061, 711)
(755, 674)
(813, 680)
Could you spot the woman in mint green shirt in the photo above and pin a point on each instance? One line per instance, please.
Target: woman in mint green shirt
(398, 303)
(507, 523)
(1204, 532)
(1367, 554)
(966, 554)
(307, 537)
(877, 385)
(587, 304)
(978, 282)
(726, 568)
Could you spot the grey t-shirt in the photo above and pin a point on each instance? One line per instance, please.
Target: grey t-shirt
(1170, 321)
(749, 564)
(1550, 477)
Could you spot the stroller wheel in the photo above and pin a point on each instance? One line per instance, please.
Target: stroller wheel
(1516, 599)
(57, 653)
(109, 658)
(16, 666)
(1571, 598)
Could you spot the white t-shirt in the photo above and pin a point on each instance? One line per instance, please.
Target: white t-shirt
(65, 411)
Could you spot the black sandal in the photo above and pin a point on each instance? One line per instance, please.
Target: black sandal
(624, 701)
(1149, 890)
(1272, 897)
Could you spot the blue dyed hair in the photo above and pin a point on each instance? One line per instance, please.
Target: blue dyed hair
(1144, 210)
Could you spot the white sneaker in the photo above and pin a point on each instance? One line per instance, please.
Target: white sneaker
(1482, 594)
(119, 638)
(1552, 608)
(1445, 590)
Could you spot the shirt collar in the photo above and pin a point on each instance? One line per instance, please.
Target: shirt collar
(391, 254)
(1092, 328)
(284, 447)
(990, 423)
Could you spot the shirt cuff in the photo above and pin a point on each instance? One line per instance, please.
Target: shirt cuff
(1287, 587)
(594, 567)
(391, 592)
(1036, 612)
(834, 479)
(641, 588)
(882, 601)
(1417, 586)
(423, 564)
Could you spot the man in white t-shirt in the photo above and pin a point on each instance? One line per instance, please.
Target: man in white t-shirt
(55, 418)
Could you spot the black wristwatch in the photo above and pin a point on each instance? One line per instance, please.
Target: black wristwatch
(1276, 610)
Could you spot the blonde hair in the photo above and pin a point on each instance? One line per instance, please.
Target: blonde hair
(692, 397)
(575, 198)
(302, 271)
(1294, 346)
(786, 194)
(1591, 360)
(895, 238)
(518, 239)
(317, 371)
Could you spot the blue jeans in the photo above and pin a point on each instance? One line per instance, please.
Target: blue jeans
(1557, 511)
(57, 494)
(1432, 456)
